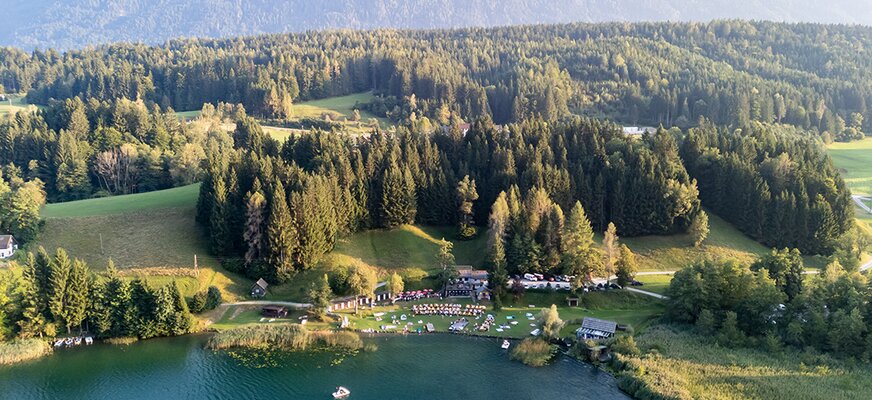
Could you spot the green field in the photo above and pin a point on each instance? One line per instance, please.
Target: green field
(681, 364)
(337, 107)
(13, 103)
(674, 252)
(854, 161)
(180, 197)
(655, 283)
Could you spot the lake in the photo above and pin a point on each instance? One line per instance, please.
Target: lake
(411, 367)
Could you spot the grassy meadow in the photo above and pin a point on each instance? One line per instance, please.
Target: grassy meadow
(151, 236)
(655, 283)
(854, 161)
(683, 365)
(12, 104)
(674, 252)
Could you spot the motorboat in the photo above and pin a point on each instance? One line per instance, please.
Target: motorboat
(341, 392)
(505, 345)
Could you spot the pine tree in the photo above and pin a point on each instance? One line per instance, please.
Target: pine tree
(77, 297)
(254, 224)
(611, 249)
(281, 237)
(699, 228)
(626, 267)
(580, 257)
(466, 195)
(219, 229)
(32, 322)
(320, 295)
(59, 280)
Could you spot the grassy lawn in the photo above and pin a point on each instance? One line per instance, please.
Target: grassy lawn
(671, 253)
(336, 107)
(13, 104)
(655, 283)
(151, 236)
(681, 361)
(180, 197)
(854, 161)
(623, 307)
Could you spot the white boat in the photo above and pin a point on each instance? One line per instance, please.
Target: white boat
(506, 345)
(341, 393)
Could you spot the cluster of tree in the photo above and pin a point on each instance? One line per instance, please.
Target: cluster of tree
(771, 182)
(20, 202)
(812, 76)
(282, 207)
(55, 294)
(80, 148)
(772, 303)
(534, 237)
(205, 300)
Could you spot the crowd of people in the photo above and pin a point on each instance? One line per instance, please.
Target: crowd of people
(414, 295)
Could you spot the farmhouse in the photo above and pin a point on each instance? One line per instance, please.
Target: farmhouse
(7, 246)
(469, 283)
(595, 328)
(259, 288)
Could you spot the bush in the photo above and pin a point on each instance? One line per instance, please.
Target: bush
(197, 304)
(533, 352)
(213, 298)
(626, 345)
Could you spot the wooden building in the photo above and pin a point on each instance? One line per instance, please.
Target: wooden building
(259, 288)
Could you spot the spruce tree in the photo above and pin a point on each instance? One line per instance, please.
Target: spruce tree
(254, 224)
(281, 237)
(580, 257)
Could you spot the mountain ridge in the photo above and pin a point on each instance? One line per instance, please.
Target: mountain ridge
(69, 24)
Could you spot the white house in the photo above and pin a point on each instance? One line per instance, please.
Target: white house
(7, 246)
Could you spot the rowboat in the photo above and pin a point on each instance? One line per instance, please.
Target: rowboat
(506, 345)
(341, 393)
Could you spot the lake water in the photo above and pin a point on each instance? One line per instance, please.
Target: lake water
(413, 367)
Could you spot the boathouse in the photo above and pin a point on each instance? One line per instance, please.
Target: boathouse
(595, 328)
(259, 288)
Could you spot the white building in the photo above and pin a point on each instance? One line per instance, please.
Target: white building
(638, 130)
(7, 246)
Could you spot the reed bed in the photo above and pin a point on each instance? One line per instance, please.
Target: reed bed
(288, 337)
(23, 350)
(533, 352)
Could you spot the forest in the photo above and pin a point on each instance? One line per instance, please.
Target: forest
(731, 72)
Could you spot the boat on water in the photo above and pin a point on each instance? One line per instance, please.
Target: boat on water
(341, 392)
(506, 345)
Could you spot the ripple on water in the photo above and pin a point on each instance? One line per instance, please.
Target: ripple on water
(421, 367)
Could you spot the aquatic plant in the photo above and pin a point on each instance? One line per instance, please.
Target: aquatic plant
(533, 352)
(23, 350)
(288, 337)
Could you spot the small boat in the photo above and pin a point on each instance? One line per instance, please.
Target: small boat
(506, 345)
(341, 393)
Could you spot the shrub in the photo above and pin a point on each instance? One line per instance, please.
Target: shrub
(533, 352)
(626, 345)
(213, 298)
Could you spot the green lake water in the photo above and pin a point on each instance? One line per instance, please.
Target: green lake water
(412, 367)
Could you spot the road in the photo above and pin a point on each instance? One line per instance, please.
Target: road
(270, 303)
(860, 203)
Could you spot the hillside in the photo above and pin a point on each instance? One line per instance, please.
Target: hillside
(67, 24)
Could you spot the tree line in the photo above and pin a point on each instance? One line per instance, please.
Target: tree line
(84, 148)
(771, 303)
(56, 295)
(281, 207)
(774, 183)
(811, 76)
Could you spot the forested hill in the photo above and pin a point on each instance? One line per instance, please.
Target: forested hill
(817, 77)
(66, 24)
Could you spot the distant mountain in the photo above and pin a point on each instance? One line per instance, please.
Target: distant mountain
(68, 24)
